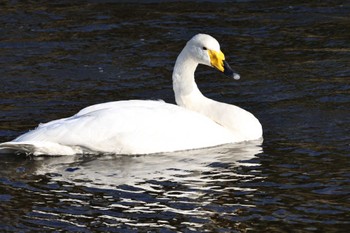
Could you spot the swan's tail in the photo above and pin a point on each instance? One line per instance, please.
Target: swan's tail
(37, 148)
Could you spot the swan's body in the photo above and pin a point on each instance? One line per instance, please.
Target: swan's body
(144, 126)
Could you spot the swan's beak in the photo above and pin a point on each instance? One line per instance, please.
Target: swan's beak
(229, 72)
(217, 60)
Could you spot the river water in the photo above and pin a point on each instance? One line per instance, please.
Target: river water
(293, 57)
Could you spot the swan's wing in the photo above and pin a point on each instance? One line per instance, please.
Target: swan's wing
(130, 127)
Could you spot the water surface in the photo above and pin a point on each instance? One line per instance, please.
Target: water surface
(293, 58)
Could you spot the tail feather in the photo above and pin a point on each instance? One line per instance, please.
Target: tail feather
(38, 148)
(9, 147)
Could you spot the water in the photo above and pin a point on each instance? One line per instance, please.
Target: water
(293, 58)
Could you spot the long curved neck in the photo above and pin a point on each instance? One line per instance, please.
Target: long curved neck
(185, 88)
(241, 123)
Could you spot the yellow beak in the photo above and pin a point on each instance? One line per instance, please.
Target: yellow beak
(217, 59)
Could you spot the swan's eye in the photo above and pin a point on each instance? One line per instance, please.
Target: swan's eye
(204, 48)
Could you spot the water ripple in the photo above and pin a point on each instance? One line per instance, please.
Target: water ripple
(58, 57)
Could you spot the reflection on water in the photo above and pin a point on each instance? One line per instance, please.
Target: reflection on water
(110, 171)
(57, 57)
(170, 191)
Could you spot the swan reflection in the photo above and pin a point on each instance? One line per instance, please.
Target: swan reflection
(133, 191)
(197, 167)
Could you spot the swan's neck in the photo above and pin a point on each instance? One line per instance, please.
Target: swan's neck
(186, 91)
(241, 123)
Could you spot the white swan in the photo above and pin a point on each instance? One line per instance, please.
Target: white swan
(144, 126)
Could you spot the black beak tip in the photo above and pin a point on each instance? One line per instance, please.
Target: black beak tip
(228, 71)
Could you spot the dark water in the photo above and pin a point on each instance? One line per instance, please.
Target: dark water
(294, 60)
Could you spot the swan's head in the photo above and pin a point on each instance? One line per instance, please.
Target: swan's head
(206, 50)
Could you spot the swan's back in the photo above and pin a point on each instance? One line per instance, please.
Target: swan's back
(128, 127)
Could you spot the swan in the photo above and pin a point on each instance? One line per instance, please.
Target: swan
(149, 126)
